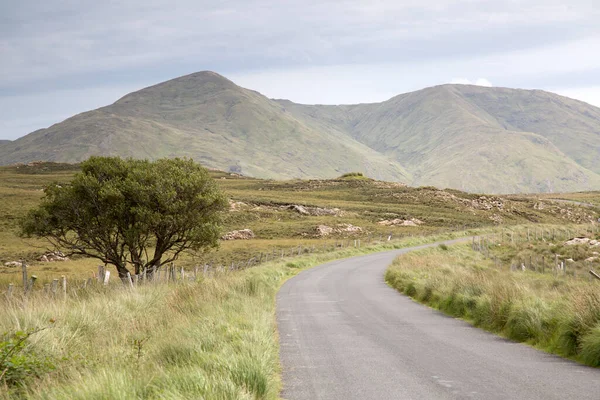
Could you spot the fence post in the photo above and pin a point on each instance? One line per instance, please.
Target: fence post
(64, 286)
(101, 270)
(54, 286)
(543, 265)
(106, 278)
(129, 280)
(25, 282)
(9, 292)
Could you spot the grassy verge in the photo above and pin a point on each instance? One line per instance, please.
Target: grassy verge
(556, 314)
(215, 338)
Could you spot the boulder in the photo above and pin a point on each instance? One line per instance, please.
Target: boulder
(12, 264)
(401, 222)
(324, 230)
(53, 256)
(242, 234)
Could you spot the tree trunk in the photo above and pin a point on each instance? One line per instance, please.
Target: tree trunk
(122, 271)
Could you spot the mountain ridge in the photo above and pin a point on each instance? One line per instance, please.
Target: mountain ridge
(467, 137)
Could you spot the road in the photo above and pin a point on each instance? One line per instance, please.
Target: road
(345, 334)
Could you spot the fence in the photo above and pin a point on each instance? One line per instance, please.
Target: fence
(171, 273)
(537, 263)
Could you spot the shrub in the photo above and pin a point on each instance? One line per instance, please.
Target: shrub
(17, 362)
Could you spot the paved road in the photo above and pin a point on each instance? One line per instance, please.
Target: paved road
(346, 335)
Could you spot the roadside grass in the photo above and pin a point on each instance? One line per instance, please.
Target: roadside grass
(560, 315)
(214, 338)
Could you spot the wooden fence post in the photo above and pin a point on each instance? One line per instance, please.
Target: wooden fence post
(129, 280)
(25, 282)
(54, 287)
(101, 270)
(106, 278)
(64, 286)
(9, 292)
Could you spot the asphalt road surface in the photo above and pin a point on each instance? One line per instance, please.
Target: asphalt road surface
(346, 335)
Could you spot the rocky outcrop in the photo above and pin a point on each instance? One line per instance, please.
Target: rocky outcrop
(324, 230)
(582, 241)
(242, 234)
(401, 222)
(53, 256)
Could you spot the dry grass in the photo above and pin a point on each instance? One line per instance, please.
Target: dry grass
(214, 338)
(560, 315)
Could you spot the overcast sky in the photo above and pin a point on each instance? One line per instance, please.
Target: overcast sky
(62, 57)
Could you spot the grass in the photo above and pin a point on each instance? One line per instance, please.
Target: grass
(553, 313)
(262, 205)
(214, 338)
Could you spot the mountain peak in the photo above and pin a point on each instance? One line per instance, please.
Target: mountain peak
(468, 137)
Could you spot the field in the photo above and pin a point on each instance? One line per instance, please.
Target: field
(264, 207)
(537, 290)
(214, 336)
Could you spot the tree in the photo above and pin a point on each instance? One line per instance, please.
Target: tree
(131, 212)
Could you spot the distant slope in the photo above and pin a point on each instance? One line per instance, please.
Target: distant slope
(471, 138)
(208, 118)
(453, 136)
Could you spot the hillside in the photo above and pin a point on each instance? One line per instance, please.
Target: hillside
(477, 138)
(208, 118)
(470, 138)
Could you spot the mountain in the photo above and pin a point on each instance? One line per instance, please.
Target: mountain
(477, 138)
(471, 138)
(208, 118)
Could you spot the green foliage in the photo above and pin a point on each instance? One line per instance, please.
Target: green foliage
(115, 210)
(352, 175)
(17, 362)
(443, 247)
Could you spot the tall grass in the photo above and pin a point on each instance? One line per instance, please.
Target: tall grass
(557, 315)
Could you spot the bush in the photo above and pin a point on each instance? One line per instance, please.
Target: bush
(351, 174)
(17, 362)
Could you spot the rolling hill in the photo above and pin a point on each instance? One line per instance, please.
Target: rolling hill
(472, 138)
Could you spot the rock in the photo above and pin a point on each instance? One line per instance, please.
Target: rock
(591, 259)
(242, 234)
(299, 209)
(12, 264)
(324, 230)
(401, 222)
(349, 228)
(315, 211)
(570, 260)
(53, 256)
(236, 205)
(577, 241)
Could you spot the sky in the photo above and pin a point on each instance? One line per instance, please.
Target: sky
(62, 57)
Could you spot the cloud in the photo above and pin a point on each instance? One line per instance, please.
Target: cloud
(590, 95)
(465, 81)
(317, 51)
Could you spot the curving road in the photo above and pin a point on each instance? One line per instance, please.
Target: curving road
(345, 334)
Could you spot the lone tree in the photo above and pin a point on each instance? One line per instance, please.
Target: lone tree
(131, 212)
